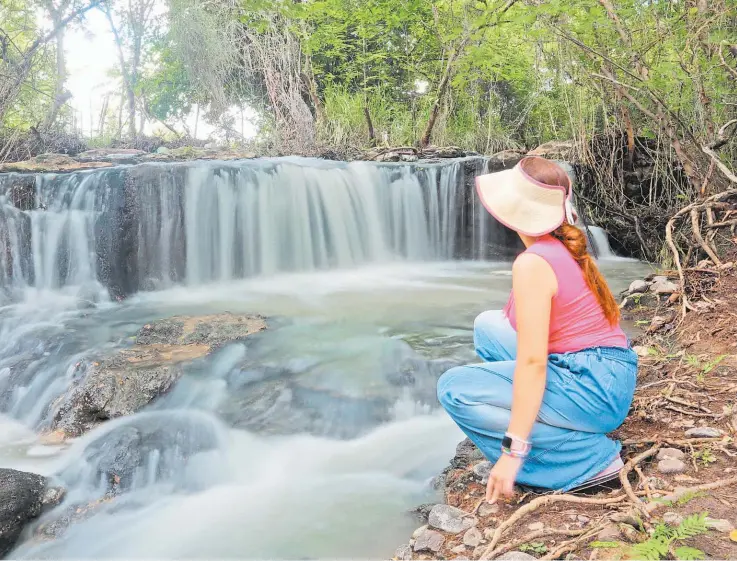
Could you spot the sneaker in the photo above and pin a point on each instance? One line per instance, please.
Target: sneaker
(608, 478)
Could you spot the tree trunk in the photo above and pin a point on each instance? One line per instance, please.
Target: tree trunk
(442, 89)
(61, 96)
(369, 122)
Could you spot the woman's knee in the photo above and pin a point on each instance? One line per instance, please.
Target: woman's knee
(448, 386)
(488, 321)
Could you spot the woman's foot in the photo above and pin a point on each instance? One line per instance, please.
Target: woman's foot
(605, 478)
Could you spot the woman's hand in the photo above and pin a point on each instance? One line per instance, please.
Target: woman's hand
(502, 477)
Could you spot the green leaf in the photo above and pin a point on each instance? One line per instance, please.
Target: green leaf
(692, 526)
(689, 553)
(604, 545)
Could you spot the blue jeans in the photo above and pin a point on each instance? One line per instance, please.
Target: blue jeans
(587, 395)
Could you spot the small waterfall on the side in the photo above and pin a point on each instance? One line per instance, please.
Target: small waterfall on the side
(600, 240)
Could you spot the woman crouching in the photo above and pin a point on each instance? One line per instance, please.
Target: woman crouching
(558, 372)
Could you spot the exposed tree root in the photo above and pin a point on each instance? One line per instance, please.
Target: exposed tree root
(533, 536)
(625, 481)
(540, 502)
(572, 545)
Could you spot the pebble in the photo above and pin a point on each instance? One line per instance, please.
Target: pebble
(610, 532)
(654, 483)
(429, 540)
(403, 552)
(638, 286)
(631, 535)
(459, 549)
(517, 556)
(450, 519)
(641, 351)
(583, 520)
(671, 466)
(489, 533)
(673, 453)
(482, 470)
(626, 518)
(703, 432)
(536, 527)
(487, 509)
(720, 525)
(672, 518)
(472, 537)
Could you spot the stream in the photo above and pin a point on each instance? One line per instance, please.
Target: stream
(310, 440)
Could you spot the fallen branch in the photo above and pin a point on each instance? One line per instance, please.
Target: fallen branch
(699, 238)
(669, 499)
(538, 503)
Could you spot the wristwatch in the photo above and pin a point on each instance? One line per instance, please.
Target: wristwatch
(514, 446)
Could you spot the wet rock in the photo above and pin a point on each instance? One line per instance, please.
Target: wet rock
(163, 150)
(23, 497)
(450, 519)
(672, 453)
(516, 556)
(720, 525)
(114, 155)
(472, 537)
(429, 540)
(123, 383)
(487, 509)
(670, 466)
(145, 449)
(703, 432)
(482, 470)
(536, 527)
(672, 518)
(403, 552)
(638, 286)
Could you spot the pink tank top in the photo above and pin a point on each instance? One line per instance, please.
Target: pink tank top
(576, 319)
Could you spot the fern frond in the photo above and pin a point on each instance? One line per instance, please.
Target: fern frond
(691, 526)
(689, 554)
(651, 550)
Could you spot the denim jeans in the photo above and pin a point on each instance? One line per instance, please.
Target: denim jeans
(587, 395)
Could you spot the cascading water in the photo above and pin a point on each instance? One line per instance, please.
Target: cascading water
(144, 227)
(287, 444)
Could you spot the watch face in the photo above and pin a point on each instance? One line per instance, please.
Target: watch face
(507, 442)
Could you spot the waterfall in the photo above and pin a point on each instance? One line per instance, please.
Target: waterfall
(142, 227)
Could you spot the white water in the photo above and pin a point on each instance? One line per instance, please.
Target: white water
(304, 442)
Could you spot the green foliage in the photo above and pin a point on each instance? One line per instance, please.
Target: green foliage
(659, 544)
(705, 457)
(689, 553)
(604, 545)
(534, 547)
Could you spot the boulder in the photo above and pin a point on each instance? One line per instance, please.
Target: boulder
(638, 286)
(506, 159)
(563, 150)
(23, 497)
(661, 285)
(126, 381)
(429, 540)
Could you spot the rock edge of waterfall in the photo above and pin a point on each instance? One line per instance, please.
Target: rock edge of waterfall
(123, 382)
(683, 403)
(23, 497)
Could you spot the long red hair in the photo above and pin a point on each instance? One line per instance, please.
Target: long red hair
(574, 239)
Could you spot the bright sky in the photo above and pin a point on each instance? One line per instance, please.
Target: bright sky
(91, 55)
